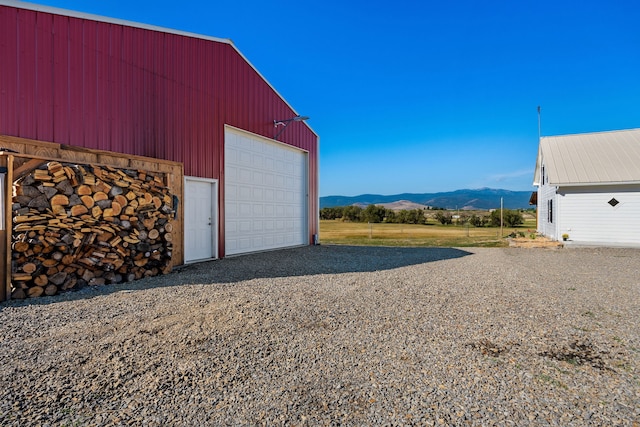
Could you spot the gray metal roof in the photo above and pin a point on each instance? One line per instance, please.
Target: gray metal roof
(601, 158)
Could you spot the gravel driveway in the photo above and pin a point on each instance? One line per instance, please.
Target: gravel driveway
(332, 335)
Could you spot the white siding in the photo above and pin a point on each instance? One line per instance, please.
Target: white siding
(587, 217)
(547, 193)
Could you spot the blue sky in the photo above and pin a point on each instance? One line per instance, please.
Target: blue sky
(427, 96)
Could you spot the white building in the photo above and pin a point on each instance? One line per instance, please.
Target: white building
(589, 187)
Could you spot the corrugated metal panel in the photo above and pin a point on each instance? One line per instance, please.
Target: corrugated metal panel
(26, 63)
(61, 95)
(8, 75)
(75, 77)
(593, 158)
(136, 90)
(44, 77)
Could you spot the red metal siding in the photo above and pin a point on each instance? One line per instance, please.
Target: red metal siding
(8, 74)
(136, 91)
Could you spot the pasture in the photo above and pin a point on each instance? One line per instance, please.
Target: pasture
(383, 234)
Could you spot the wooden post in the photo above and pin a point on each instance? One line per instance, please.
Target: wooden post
(3, 249)
(8, 189)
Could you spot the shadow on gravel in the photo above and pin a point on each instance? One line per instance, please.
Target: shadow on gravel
(313, 260)
(303, 261)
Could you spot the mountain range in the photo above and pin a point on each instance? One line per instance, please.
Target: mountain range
(478, 199)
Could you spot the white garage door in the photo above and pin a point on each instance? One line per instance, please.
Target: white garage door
(265, 194)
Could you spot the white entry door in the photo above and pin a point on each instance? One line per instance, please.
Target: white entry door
(200, 225)
(265, 194)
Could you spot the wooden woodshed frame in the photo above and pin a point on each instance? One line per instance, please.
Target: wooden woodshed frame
(19, 156)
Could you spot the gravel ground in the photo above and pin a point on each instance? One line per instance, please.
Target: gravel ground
(332, 335)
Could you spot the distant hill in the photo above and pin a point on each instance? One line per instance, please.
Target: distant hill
(403, 205)
(483, 198)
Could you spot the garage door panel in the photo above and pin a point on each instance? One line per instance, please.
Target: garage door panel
(266, 202)
(244, 192)
(245, 227)
(244, 211)
(232, 209)
(244, 245)
(244, 176)
(269, 211)
(232, 155)
(244, 157)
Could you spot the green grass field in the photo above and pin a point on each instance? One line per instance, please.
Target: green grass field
(357, 233)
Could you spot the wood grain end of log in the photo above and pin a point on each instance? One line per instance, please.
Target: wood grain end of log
(41, 280)
(84, 190)
(35, 291)
(51, 290)
(59, 200)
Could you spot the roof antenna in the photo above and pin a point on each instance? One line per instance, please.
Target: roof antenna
(539, 123)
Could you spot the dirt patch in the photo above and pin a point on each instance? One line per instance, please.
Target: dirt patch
(578, 352)
(488, 348)
(538, 242)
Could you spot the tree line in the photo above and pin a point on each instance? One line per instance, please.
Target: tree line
(510, 218)
(374, 213)
(378, 214)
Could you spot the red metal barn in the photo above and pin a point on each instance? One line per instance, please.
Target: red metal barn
(106, 84)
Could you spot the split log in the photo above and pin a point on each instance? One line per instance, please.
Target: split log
(35, 291)
(99, 195)
(39, 202)
(20, 246)
(58, 278)
(59, 200)
(84, 190)
(29, 267)
(79, 210)
(41, 280)
(18, 293)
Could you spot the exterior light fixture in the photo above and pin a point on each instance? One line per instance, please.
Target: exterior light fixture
(286, 123)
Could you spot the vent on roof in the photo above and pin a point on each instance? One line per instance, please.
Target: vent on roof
(613, 202)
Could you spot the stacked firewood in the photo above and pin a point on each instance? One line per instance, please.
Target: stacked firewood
(75, 225)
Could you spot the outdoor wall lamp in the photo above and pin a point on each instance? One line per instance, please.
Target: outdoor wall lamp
(286, 123)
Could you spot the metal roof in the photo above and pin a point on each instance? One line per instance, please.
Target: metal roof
(600, 158)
